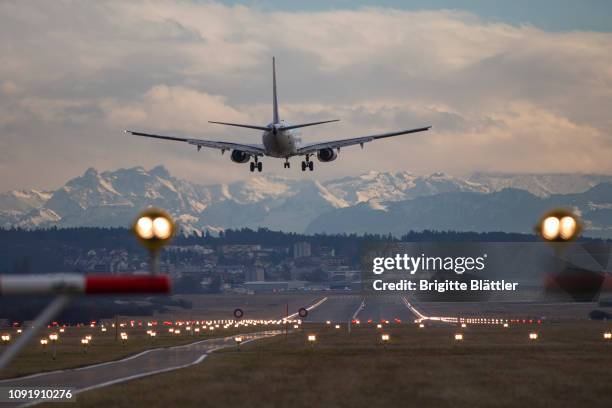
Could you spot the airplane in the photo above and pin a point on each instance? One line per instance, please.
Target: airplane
(280, 140)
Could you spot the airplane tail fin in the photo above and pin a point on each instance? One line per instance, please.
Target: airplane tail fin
(275, 117)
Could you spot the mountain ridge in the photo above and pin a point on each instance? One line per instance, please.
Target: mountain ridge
(114, 197)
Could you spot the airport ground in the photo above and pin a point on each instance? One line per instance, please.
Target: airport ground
(103, 347)
(107, 346)
(568, 365)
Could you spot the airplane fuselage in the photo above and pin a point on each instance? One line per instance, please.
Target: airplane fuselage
(280, 143)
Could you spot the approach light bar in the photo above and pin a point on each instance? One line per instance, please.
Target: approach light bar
(84, 284)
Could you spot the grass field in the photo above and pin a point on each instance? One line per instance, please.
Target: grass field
(569, 365)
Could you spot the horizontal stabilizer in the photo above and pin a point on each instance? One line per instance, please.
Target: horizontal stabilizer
(241, 125)
(308, 124)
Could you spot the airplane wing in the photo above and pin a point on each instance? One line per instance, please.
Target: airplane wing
(256, 150)
(336, 144)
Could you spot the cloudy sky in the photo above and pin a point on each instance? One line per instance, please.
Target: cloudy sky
(506, 87)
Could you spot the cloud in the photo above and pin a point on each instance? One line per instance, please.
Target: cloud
(500, 97)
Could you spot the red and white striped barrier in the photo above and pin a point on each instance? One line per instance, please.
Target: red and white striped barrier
(69, 283)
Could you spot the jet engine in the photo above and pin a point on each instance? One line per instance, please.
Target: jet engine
(238, 156)
(327, 155)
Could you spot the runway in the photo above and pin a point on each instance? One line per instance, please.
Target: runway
(342, 308)
(337, 308)
(140, 365)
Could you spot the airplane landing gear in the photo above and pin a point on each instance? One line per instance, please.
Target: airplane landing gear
(307, 164)
(256, 165)
(287, 164)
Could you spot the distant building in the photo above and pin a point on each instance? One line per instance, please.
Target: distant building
(255, 274)
(240, 248)
(301, 250)
(266, 286)
(326, 251)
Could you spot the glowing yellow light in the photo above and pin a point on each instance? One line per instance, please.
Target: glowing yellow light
(144, 228)
(533, 336)
(124, 336)
(53, 336)
(550, 228)
(6, 337)
(327, 322)
(312, 338)
(238, 339)
(567, 228)
(384, 337)
(84, 341)
(44, 342)
(463, 325)
(421, 326)
(607, 335)
(458, 337)
(162, 229)
(505, 324)
(337, 326)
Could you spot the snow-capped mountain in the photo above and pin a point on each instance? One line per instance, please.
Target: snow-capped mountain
(379, 187)
(541, 185)
(508, 210)
(15, 204)
(113, 198)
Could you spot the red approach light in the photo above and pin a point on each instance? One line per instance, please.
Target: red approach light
(139, 323)
(530, 321)
(398, 321)
(369, 321)
(354, 321)
(539, 322)
(16, 324)
(166, 323)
